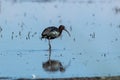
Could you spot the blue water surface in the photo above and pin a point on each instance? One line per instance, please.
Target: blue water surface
(92, 50)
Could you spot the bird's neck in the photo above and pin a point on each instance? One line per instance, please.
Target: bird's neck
(60, 32)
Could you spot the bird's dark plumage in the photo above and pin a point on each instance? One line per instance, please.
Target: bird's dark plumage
(50, 32)
(53, 32)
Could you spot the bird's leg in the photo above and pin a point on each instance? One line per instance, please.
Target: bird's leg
(49, 50)
(49, 45)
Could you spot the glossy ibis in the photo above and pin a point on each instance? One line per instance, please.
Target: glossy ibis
(52, 33)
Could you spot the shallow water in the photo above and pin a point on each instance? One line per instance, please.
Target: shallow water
(92, 49)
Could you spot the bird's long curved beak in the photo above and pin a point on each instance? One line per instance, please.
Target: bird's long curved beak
(67, 32)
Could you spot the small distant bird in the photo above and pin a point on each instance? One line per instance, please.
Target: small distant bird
(52, 33)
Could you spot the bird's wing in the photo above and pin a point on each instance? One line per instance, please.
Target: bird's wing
(48, 30)
(53, 33)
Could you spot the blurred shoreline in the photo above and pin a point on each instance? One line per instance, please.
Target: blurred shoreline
(74, 78)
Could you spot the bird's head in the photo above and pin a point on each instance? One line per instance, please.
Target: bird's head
(62, 27)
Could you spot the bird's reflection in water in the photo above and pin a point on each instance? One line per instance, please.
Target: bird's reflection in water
(53, 66)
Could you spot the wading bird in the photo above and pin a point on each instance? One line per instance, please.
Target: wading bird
(52, 33)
